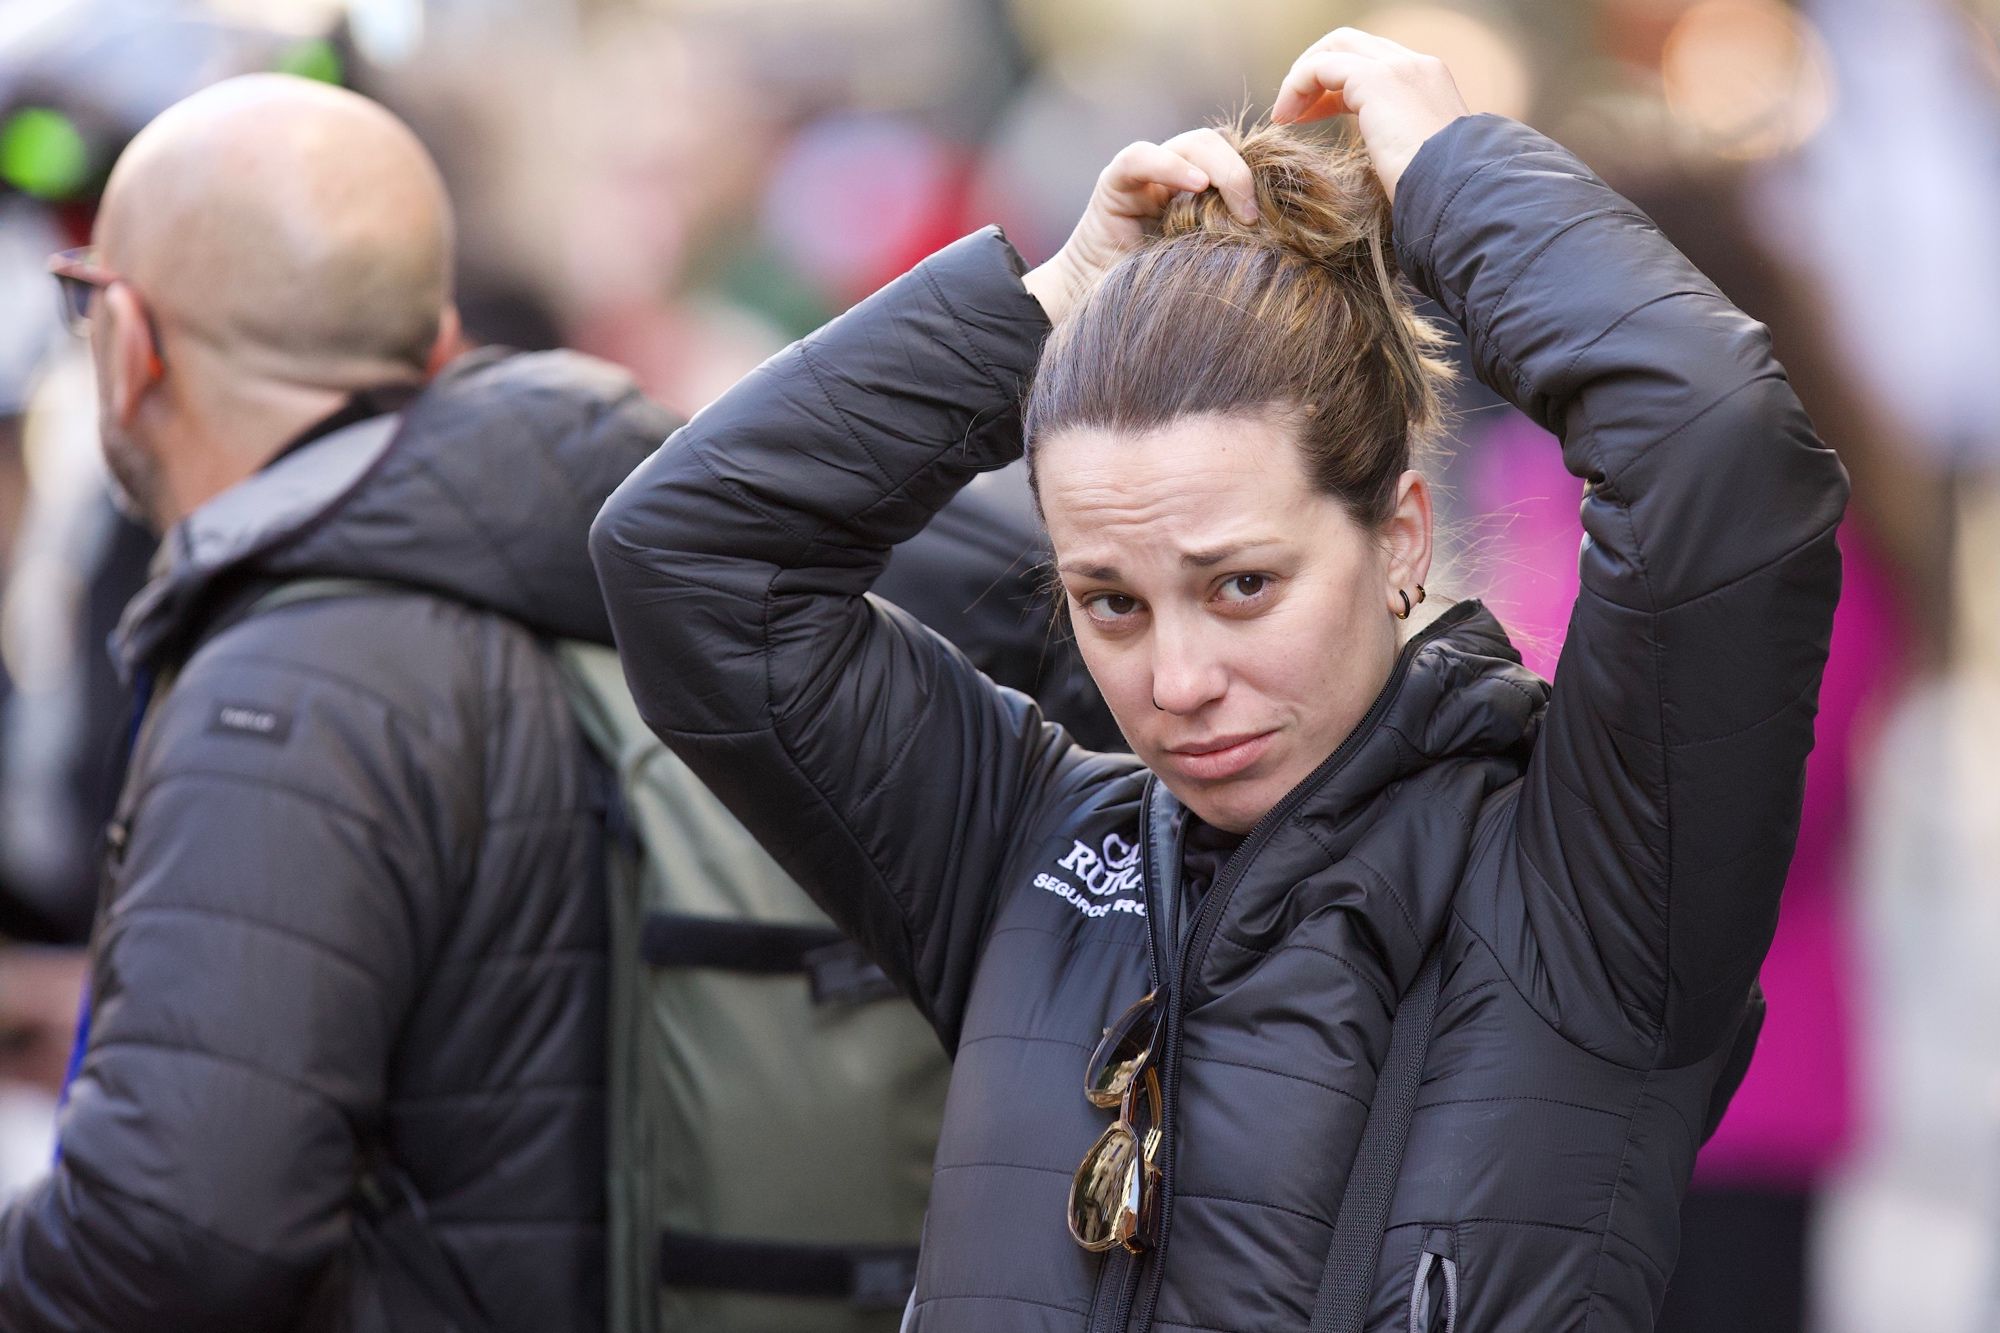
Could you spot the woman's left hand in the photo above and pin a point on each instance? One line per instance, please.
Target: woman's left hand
(1400, 98)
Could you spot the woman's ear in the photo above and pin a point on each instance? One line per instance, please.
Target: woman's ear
(1406, 537)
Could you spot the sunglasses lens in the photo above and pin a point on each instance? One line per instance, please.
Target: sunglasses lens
(1103, 1198)
(1121, 1053)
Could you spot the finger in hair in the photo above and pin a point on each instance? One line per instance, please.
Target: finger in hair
(1225, 168)
(1141, 165)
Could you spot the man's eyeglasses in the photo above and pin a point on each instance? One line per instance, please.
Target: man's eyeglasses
(79, 278)
(1113, 1199)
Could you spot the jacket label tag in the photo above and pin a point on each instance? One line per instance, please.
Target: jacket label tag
(266, 724)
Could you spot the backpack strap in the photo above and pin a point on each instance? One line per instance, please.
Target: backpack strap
(836, 969)
(314, 589)
(868, 1277)
(1348, 1281)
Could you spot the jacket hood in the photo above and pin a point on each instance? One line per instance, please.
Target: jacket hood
(482, 489)
(1458, 692)
(1463, 694)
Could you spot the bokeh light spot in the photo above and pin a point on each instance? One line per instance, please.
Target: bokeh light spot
(1486, 63)
(42, 153)
(313, 59)
(1750, 77)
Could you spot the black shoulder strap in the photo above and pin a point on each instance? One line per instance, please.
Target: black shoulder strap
(867, 1277)
(1348, 1282)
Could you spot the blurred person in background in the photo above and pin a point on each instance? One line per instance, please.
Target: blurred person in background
(76, 561)
(49, 551)
(27, 337)
(48, 777)
(1347, 807)
(343, 1065)
(72, 561)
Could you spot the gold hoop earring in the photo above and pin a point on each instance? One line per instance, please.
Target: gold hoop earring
(1420, 594)
(1403, 614)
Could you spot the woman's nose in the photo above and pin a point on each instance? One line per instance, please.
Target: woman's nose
(1187, 674)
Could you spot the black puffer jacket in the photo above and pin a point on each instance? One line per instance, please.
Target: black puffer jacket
(360, 908)
(1599, 867)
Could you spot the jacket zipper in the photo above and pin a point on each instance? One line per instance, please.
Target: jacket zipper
(1118, 1281)
(1213, 904)
(1436, 1255)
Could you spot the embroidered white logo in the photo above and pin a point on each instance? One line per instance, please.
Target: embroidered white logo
(1105, 873)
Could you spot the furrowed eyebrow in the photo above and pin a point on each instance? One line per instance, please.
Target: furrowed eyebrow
(1190, 559)
(1216, 555)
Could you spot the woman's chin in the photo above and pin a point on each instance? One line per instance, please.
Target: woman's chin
(1234, 806)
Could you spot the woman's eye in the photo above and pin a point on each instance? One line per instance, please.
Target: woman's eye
(1110, 606)
(1244, 587)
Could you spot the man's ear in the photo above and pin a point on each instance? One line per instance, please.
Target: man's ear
(1407, 538)
(449, 345)
(131, 360)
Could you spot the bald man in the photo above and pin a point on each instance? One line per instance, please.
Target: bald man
(293, 243)
(344, 1057)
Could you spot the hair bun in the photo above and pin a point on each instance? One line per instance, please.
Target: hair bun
(1320, 201)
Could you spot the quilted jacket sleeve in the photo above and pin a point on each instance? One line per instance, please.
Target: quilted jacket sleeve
(885, 773)
(248, 982)
(1658, 816)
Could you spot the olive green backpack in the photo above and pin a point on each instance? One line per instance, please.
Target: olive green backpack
(774, 1102)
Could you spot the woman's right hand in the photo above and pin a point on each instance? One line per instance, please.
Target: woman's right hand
(1125, 206)
(1399, 97)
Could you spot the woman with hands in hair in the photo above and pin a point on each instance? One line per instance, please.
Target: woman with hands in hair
(1170, 980)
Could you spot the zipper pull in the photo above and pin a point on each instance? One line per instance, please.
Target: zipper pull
(1436, 1258)
(116, 835)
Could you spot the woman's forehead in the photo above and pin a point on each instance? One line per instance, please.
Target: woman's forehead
(1193, 491)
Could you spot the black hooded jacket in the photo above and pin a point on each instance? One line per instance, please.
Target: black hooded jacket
(1598, 865)
(360, 911)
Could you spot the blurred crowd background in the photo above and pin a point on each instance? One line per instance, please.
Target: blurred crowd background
(683, 186)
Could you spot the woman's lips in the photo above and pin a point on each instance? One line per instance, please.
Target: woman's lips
(1223, 757)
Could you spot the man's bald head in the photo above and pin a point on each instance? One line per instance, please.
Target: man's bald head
(299, 230)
